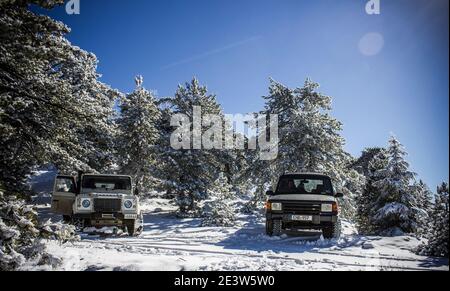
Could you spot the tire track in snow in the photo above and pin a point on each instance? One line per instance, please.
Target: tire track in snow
(140, 247)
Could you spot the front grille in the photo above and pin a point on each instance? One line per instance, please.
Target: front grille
(107, 205)
(307, 208)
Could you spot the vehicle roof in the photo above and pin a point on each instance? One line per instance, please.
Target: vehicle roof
(307, 174)
(106, 175)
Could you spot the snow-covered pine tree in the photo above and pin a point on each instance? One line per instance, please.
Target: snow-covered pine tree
(53, 109)
(138, 135)
(438, 232)
(217, 209)
(354, 184)
(396, 207)
(188, 173)
(362, 164)
(162, 171)
(310, 139)
(243, 179)
(365, 202)
(257, 179)
(424, 202)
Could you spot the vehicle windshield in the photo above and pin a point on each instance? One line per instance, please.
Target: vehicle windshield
(104, 183)
(305, 185)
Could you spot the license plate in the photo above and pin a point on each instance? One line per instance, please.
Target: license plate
(130, 216)
(302, 218)
(107, 215)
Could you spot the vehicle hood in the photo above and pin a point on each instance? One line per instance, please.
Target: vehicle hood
(108, 195)
(302, 197)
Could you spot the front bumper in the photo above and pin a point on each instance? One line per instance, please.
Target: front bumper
(318, 221)
(105, 219)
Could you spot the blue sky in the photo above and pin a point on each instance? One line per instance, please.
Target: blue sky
(388, 73)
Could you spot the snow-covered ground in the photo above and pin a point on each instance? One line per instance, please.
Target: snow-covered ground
(168, 243)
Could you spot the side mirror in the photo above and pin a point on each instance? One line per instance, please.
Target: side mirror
(270, 193)
(339, 195)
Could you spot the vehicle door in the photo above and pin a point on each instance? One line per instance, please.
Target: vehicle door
(64, 193)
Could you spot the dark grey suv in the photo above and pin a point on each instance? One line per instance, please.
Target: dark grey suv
(303, 201)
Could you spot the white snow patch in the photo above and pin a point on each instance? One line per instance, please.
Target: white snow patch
(172, 244)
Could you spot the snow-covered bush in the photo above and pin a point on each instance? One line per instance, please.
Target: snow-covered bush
(256, 204)
(393, 215)
(218, 209)
(437, 235)
(218, 212)
(22, 240)
(190, 203)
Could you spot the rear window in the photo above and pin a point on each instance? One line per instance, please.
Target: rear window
(107, 183)
(305, 185)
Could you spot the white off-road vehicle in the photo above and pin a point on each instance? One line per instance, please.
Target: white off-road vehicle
(98, 201)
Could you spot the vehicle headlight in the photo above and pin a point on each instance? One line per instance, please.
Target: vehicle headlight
(327, 207)
(277, 206)
(128, 204)
(86, 203)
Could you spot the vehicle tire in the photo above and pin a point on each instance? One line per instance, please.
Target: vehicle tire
(79, 224)
(277, 227)
(269, 227)
(67, 219)
(130, 226)
(333, 232)
(135, 227)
